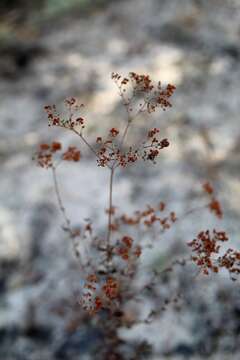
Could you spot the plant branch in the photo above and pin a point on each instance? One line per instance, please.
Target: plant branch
(110, 208)
(85, 141)
(59, 199)
(63, 211)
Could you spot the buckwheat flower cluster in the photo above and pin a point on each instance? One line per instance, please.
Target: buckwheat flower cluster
(110, 152)
(214, 205)
(206, 248)
(126, 250)
(147, 218)
(141, 86)
(46, 154)
(72, 154)
(99, 293)
(71, 120)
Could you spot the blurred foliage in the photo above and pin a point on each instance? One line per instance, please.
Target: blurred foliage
(21, 9)
(58, 7)
(20, 18)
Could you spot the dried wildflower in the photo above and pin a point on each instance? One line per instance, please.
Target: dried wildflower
(164, 143)
(151, 149)
(44, 147)
(126, 250)
(208, 188)
(123, 251)
(72, 154)
(206, 248)
(110, 288)
(45, 160)
(231, 262)
(44, 155)
(90, 301)
(142, 83)
(153, 132)
(128, 241)
(111, 260)
(149, 217)
(114, 132)
(70, 101)
(54, 118)
(215, 207)
(142, 86)
(56, 146)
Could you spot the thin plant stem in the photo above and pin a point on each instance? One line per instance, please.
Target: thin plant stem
(110, 208)
(125, 132)
(63, 211)
(59, 199)
(85, 141)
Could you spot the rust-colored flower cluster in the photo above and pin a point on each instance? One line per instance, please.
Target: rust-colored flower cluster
(99, 294)
(110, 153)
(206, 248)
(126, 250)
(230, 261)
(214, 205)
(72, 154)
(153, 96)
(149, 217)
(46, 152)
(151, 148)
(71, 121)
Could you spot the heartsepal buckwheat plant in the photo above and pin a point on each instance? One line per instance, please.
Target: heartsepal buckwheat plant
(113, 260)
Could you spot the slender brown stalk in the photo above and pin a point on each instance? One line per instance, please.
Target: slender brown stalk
(59, 199)
(110, 209)
(85, 142)
(197, 208)
(129, 121)
(125, 132)
(64, 213)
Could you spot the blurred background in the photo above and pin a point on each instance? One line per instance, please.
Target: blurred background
(53, 49)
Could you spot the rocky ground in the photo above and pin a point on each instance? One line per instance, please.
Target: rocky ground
(194, 44)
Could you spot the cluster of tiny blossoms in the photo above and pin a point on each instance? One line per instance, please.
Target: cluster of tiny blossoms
(214, 205)
(102, 290)
(99, 293)
(206, 248)
(141, 86)
(109, 151)
(71, 121)
(147, 218)
(113, 259)
(46, 152)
